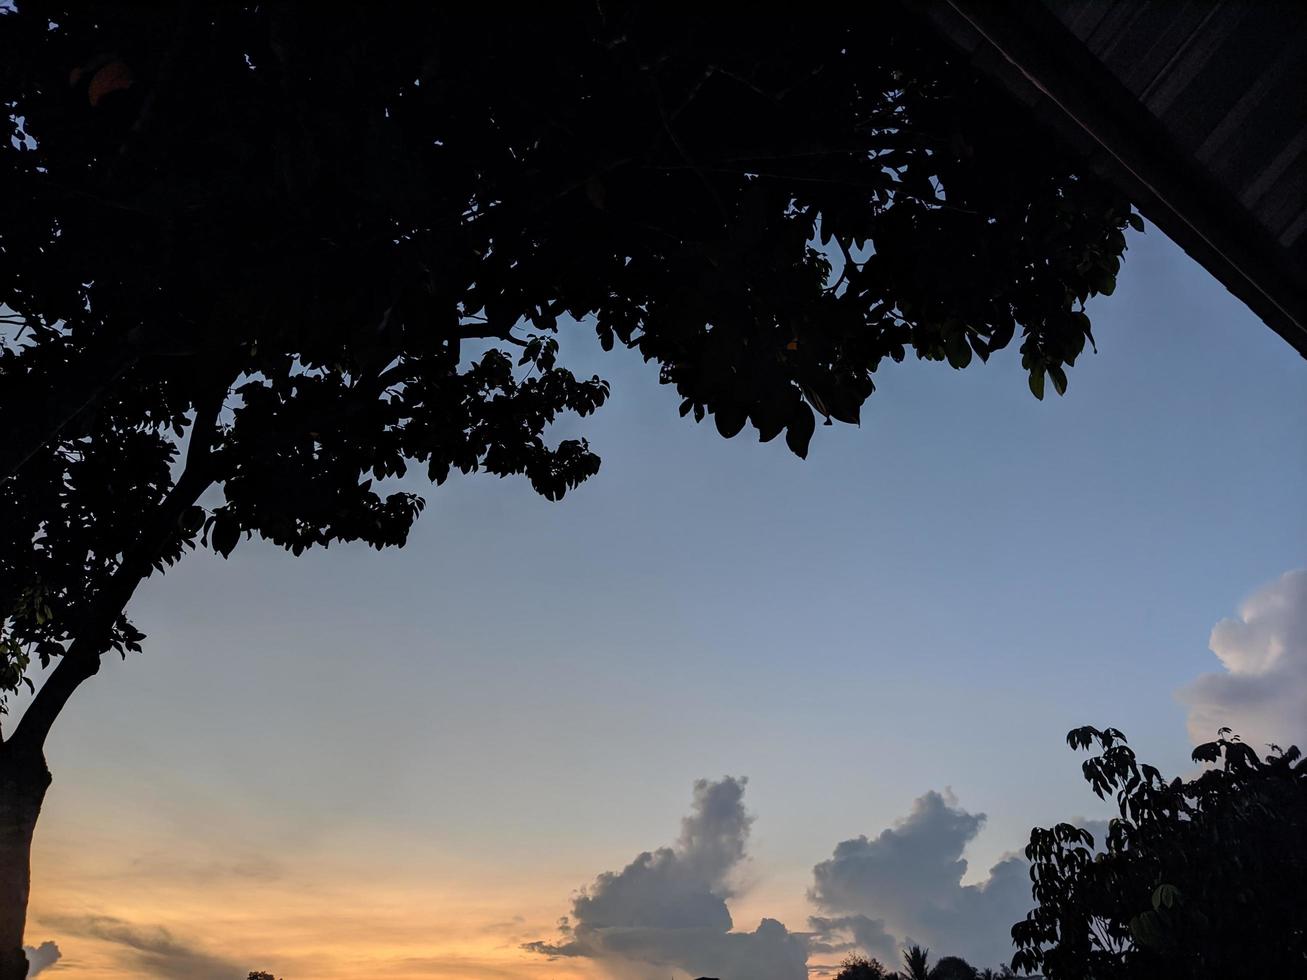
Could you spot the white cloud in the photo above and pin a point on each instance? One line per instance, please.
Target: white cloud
(907, 882)
(667, 909)
(39, 957)
(1262, 694)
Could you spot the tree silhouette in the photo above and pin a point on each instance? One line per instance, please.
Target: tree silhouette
(953, 968)
(916, 963)
(857, 967)
(1197, 878)
(259, 259)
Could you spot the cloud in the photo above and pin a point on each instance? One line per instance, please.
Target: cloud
(149, 950)
(158, 866)
(845, 933)
(667, 908)
(39, 957)
(1097, 827)
(1262, 693)
(907, 882)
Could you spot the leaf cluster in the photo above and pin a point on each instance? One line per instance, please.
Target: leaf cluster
(1199, 877)
(260, 261)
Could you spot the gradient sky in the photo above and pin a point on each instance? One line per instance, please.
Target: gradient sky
(405, 764)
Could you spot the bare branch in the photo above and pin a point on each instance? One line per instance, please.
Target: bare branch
(490, 335)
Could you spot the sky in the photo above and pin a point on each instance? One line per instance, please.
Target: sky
(720, 708)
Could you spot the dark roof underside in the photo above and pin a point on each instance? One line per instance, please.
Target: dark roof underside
(1198, 110)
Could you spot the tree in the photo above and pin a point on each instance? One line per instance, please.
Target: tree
(857, 967)
(953, 968)
(260, 975)
(916, 963)
(1197, 878)
(260, 259)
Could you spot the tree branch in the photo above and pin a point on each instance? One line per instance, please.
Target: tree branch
(490, 335)
(81, 660)
(88, 384)
(680, 148)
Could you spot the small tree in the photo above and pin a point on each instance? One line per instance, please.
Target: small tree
(916, 963)
(1198, 878)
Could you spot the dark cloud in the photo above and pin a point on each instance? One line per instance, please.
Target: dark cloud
(667, 908)
(150, 951)
(39, 957)
(845, 933)
(907, 883)
(1262, 694)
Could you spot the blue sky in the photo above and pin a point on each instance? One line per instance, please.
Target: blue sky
(524, 695)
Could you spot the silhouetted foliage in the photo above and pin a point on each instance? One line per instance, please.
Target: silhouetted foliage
(857, 967)
(953, 968)
(1198, 878)
(280, 229)
(916, 963)
(285, 250)
(260, 975)
(916, 966)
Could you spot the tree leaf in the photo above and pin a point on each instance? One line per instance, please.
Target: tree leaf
(225, 532)
(799, 432)
(730, 420)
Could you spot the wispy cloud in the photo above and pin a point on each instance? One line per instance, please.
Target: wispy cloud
(161, 866)
(1262, 693)
(667, 908)
(148, 950)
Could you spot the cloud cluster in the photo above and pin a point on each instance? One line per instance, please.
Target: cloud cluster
(1262, 693)
(39, 957)
(150, 951)
(905, 885)
(667, 908)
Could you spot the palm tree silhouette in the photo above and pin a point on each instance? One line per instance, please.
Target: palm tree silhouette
(916, 963)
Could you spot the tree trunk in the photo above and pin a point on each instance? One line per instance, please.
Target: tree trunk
(23, 782)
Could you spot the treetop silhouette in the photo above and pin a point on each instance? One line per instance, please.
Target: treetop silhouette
(1198, 877)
